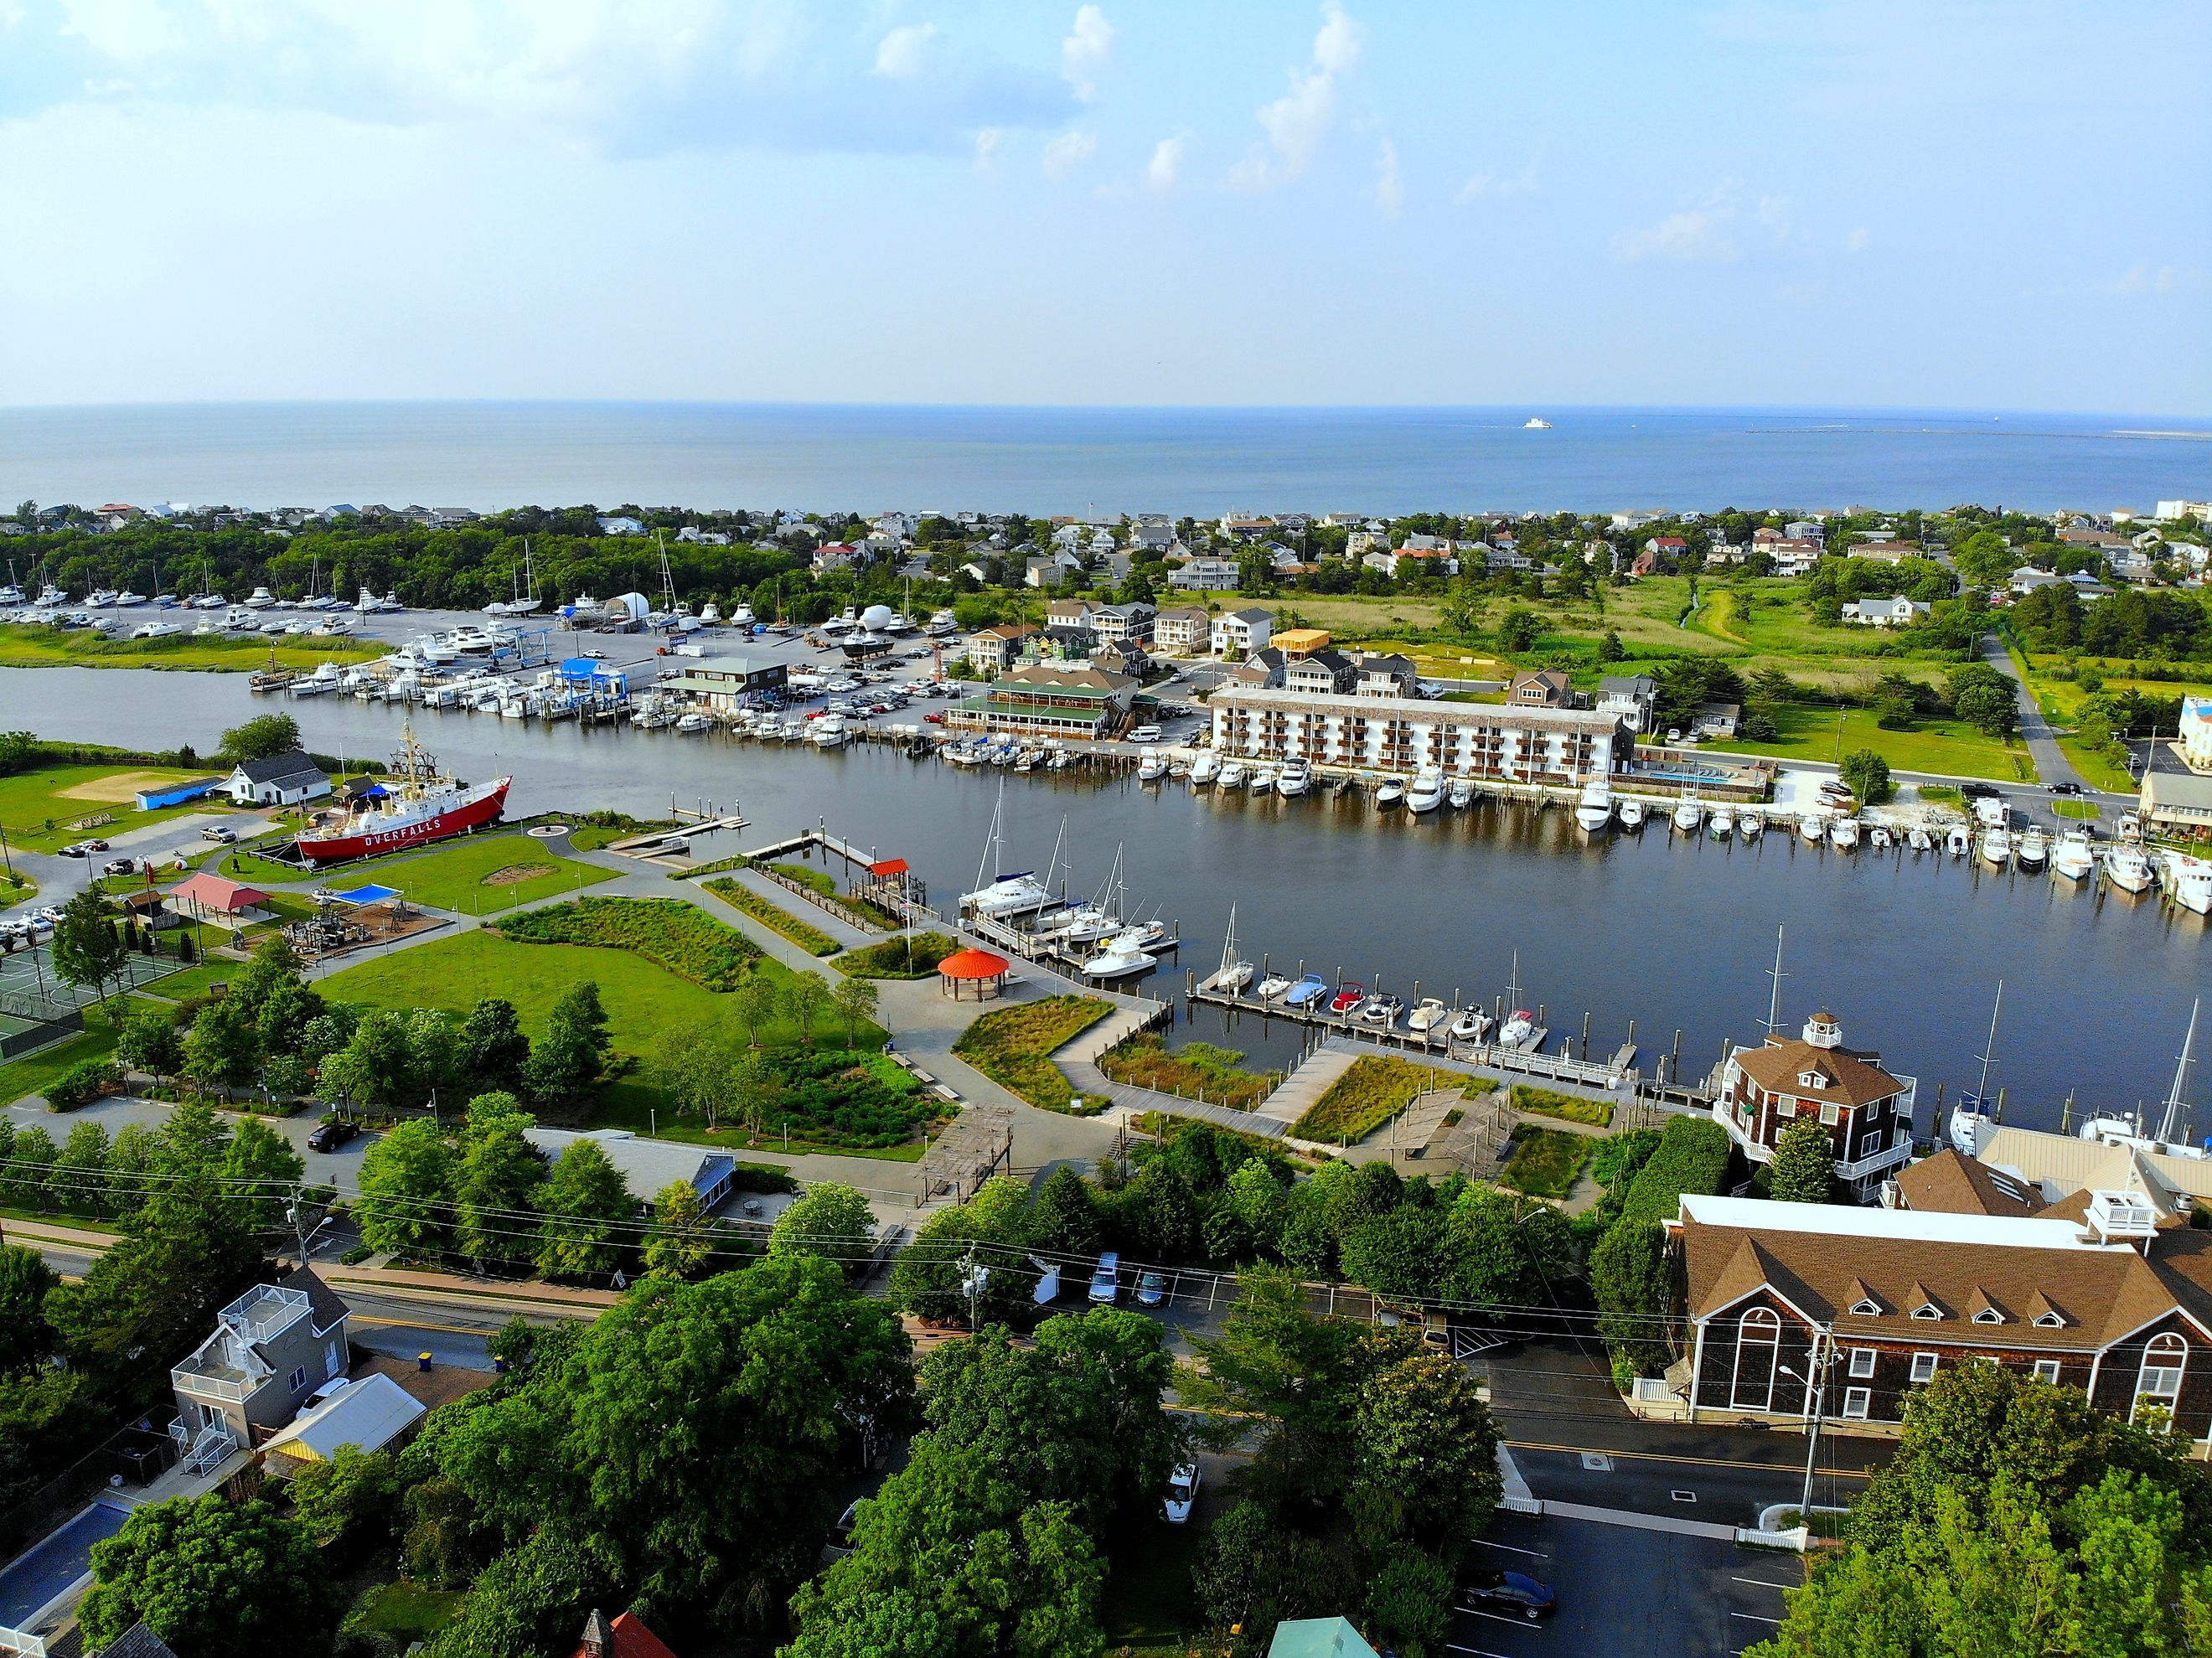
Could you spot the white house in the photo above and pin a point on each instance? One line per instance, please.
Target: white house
(1203, 574)
(1885, 612)
(1242, 631)
(2196, 734)
(621, 526)
(281, 780)
(1628, 698)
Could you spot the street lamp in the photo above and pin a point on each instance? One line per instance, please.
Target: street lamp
(1816, 1384)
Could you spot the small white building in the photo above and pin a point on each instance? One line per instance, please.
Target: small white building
(280, 780)
(1885, 612)
(1242, 631)
(2196, 733)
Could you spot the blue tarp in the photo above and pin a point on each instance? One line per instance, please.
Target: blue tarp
(368, 894)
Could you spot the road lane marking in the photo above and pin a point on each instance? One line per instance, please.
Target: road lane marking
(1534, 1554)
(1690, 1461)
(1763, 1584)
(1754, 1617)
(419, 1324)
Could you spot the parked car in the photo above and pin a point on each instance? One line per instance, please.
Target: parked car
(2065, 788)
(120, 867)
(1145, 734)
(1181, 1495)
(1979, 791)
(1106, 1280)
(840, 1535)
(1511, 1593)
(934, 717)
(1151, 1288)
(329, 1136)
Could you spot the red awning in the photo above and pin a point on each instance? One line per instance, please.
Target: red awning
(889, 866)
(972, 964)
(213, 892)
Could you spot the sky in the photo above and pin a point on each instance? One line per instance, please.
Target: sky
(1896, 203)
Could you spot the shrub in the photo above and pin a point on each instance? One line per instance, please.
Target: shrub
(667, 932)
(891, 959)
(837, 1097)
(1013, 1046)
(83, 1082)
(1367, 1096)
(1550, 1102)
(773, 917)
(763, 1177)
(1545, 1161)
(1692, 1156)
(1146, 1061)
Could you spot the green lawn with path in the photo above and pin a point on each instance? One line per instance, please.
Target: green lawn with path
(39, 646)
(60, 796)
(1949, 747)
(481, 874)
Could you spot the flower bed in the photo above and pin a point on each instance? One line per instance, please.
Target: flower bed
(773, 917)
(1013, 1046)
(1374, 1090)
(667, 931)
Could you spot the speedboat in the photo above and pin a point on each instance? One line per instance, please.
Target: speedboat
(2032, 848)
(1471, 1026)
(1117, 961)
(1748, 824)
(1595, 810)
(695, 722)
(2072, 857)
(1688, 816)
(1391, 793)
(1260, 779)
(1426, 792)
(2127, 868)
(1631, 814)
(1348, 997)
(1921, 841)
(1958, 841)
(1152, 768)
(1232, 774)
(1461, 793)
(1381, 1012)
(1997, 847)
(1518, 1028)
(828, 733)
(1879, 836)
(1427, 1015)
(1274, 987)
(1843, 833)
(1721, 824)
(1307, 992)
(1813, 827)
(261, 600)
(1205, 769)
(1297, 778)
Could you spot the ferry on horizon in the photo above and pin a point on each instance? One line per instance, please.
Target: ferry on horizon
(1535, 423)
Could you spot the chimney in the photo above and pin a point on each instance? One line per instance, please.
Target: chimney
(599, 1635)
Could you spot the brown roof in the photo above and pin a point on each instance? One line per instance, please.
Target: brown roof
(440, 1385)
(2102, 1294)
(1840, 1078)
(1961, 1185)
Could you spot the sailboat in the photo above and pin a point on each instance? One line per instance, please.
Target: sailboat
(1234, 973)
(1520, 1023)
(1003, 894)
(2128, 1130)
(1971, 1109)
(527, 597)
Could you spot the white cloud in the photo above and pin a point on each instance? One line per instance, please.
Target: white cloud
(2145, 278)
(1070, 149)
(1166, 165)
(901, 54)
(1489, 187)
(1725, 227)
(1695, 235)
(1086, 52)
(1389, 190)
(1297, 122)
(1858, 241)
(986, 149)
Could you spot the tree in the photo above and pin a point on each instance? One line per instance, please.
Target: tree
(85, 951)
(26, 1340)
(1064, 1217)
(1867, 775)
(406, 1185)
(694, 1064)
(260, 738)
(222, 1049)
(1804, 1166)
(1427, 1456)
(803, 999)
(1634, 1288)
(1409, 1602)
(494, 1049)
(1253, 1572)
(262, 1170)
(856, 999)
(1984, 559)
(496, 1183)
(147, 1041)
(214, 1579)
(832, 1221)
(681, 1239)
(757, 1000)
(1518, 631)
(1157, 1214)
(80, 1177)
(376, 1067)
(274, 964)
(1992, 709)
(434, 1052)
(585, 1204)
(351, 1500)
(568, 1057)
(1610, 649)
(27, 1180)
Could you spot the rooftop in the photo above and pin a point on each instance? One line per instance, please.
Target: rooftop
(1839, 1220)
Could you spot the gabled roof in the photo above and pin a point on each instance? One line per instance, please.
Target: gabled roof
(138, 1641)
(1838, 1076)
(369, 1413)
(625, 1636)
(1960, 1185)
(278, 768)
(325, 1308)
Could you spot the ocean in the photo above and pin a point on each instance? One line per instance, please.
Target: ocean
(1204, 462)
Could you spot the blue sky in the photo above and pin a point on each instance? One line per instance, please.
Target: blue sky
(1929, 205)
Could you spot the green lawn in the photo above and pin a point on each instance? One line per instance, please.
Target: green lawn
(406, 1611)
(2082, 810)
(1947, 747)
(1545, 1161)
(909, 956)
(1013, 1046)
(1550, 1102)
(31, 1073)
(25, 645)
(773, 916)
(1373, 1090)
(482, 875)
(195, 980)
(39, 806)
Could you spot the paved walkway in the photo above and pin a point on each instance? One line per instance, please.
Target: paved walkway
(2051, 762)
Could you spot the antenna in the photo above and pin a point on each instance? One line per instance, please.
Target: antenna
(1774, 1001)
(2175, 1094)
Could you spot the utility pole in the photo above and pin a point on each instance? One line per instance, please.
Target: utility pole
(1816, 1372)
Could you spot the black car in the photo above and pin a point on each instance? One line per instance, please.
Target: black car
(331, 1135)
(2064, 788)
(1979, 791)
(1509, 1592)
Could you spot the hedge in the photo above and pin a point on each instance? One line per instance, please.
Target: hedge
(667, 931)
(81, 1084)
(773, 917)
(1692, 1156)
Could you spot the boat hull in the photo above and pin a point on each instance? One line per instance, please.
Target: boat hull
(456, 820)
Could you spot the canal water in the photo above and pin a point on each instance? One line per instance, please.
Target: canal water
(1672, 934)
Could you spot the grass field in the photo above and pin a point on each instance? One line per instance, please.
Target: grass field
(38, 646)
(31, 1073)
(39, 806)
(1545, 1161)
(909, 956)
(1013, 1046)
(1550, 1102)
(773, 916)
(1196, 1070)
(405, 1612)
(1948, 747)
(482, 875)
(194, 981)
(1372, 1091)
(2085, 812)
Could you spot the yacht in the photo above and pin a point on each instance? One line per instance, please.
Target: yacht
(1535, 423)
(1232, 774)
(1391, 793)
(1843, 833)
(1991, 812)
(2190, 880)
(1631, 814)
(1471, 1026)
(2072, 857)
(2032, 848)
(2129, 827)
(11, 594)
(1117, 961)
(1997, 845)
(127, 599)
(1205, 769)
(1427, 792)
(1688, 815)
(51, 597)
(1297, 778)
(693, 723)
(828, 733)
(2128, 868)
(1813, 827)
(1595, 810)
(99, 598)
(262, 598)
(1427, 1015)
(1721, 824)
(1518, 1028)
(1152, 768)
(1461, 793)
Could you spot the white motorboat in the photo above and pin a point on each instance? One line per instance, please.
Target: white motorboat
(2032, 848)
(1426, 792)
(2127, 868)
(2129, 827)
(1991, 812)
(1380, 1010)
(1471, 1026)
(2073, 857)
(828, 733)
(127, 599)
(1296, 779)
(1844, 834)
(1997, 847)
(51, 597)
(1205, 769)
(1721, 824)
(1461, 795)
(2190, 880)
(1391, 793)
(1595, 810)
(1631, 814)
(1958, 841)
(1260, 779)
(1749, 825)
(1879, 837)
(327, 677)
(261, 600)
(1117, 961)
(1234, 973)
(1232, 774)
(1274, 987)
(695, 722)
(1520, 1025)
(1921, 841)
(1688, 815)
(1428, 1013)
(1814, 827)
(100, 598)
(1150, 769)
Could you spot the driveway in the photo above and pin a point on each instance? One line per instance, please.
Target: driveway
(2051, 762)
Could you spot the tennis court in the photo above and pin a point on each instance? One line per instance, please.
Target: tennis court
(29, 992)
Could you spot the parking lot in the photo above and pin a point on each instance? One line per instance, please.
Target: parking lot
(1627, 1592)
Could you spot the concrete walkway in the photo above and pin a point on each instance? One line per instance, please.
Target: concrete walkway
(2051, 764)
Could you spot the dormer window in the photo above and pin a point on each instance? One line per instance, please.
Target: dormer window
(1989, 1315)
(2050, 1321)
(1808, 1080)
(1866, 1309)
(1928, 1310)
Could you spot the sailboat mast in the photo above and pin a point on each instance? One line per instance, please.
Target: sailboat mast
(991, 845)
(1774, 1000)
(2173, 1097)
(1990, 1047)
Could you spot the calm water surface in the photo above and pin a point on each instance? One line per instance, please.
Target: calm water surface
(1667, 932)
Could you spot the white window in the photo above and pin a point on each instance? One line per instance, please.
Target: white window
(333, 1358)
(1927, 1310)
(2159, 1382)
(2046, 1370)
(2050, 1321)
(298, 1378)
(1856, 1400)
(1923, 1367)
(1861, 1361)
(1989, 1315)
(1867, 1308)
(1831, 1115)
(1757, 1340)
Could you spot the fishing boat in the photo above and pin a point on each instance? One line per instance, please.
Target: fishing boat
(1721, 824)
(1234, 973)
(1844, 834)
(1232, 774)
(1306, 992)
(1152, 768)
(2073, 857)
(2190, 880)
(1426, 792)
(1749, 825)
(1461, 793)
(262, 598)
(1595, 810)
(1117, 961)
(1688, 814)
(413, 803)
(1471, 1026)
(693, 723)
(1814, 827)
(2032, 848)
(1296, 779)
(1921, 841)
(1392, 792)
(1958, 841)
(1631, 814)
(1428, 1013)
(2129, 827)
(1205, 769)
(2128, 868)
(1997, 847)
